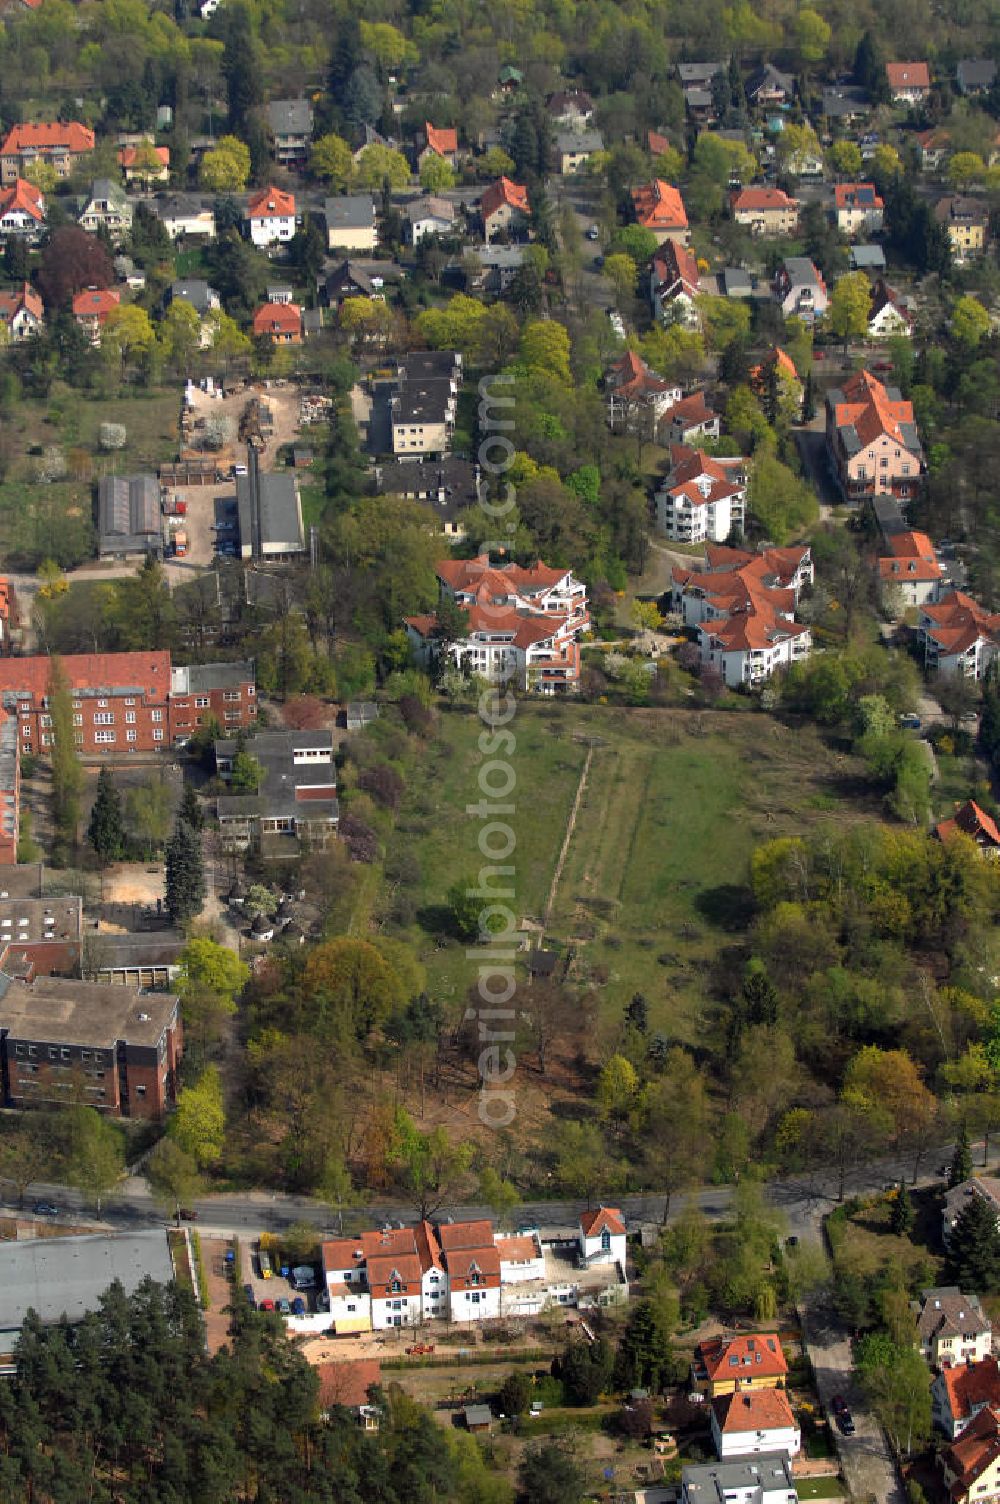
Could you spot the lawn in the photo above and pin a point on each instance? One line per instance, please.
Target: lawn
(820, 1488)
(656, 870)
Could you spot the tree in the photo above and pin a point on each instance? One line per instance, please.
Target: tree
(974, 1246)
(189, 809)
(71, 261)
(185, 874)
(782, 504)
(550, 1474)
(895, 1381)
(621, 272)
(645, 1354)
(545, 347)
(180, 334)
(845, 159)
(211, 978)
(349, 988)
(429, 1168)
(500, 1195)
(515, 1392)
(26, 1156)
(333, 161)
(128, 331)
(676, 1125)
(381, 164)
(225, 168)
(95, 1152)
(247, 774)
(902, 1214)
(67, 773)
(436, 174)
(106, 832)
(173, 1176)
(147, 810)
(812, 35)
(850, 302)
(241, 67)
(960, 1169)
(970, 323)
(617, 1089)
(585, 1369)
(966, 167)
(199, 1124)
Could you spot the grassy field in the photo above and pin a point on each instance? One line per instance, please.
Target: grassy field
(655, 873)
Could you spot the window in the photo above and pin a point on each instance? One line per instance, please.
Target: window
(104, 737)
(46, 741)
(45, 720)
(78, 720)
(157, 736)
(201, 702)
(140, 1091)
(130, 736)
(130, 717)
(156, 715)
(102, 704)
(65, 1054)
(105, 718)
(129, 702)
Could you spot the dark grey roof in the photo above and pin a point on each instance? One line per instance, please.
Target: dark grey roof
(478, 1415)
(290, 117)
(150, 948)
(422, 400)
(867, 257)
(128, 514)
(194, 290)
(570, 141)
(449, 484)
(352, 211)
(430, 206)
(800, 271)
(768, 76)
(265, 744)
(699, 73)
(976, 73)
(698, 99)
(67, 1276)
(198, 678)
(845, 100)
(283, 776)
(736, 282)
(63, 1010)
(312, 320)
(713, 1482)
(181, 205)
(348, 275)
(8, 776)
(30, 920)
(889, 516)
(500, 257)
(270, 515)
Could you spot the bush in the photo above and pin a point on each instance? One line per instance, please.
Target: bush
(112, 436)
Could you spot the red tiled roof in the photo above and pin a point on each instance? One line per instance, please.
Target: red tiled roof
(468, 576)
(504, 191)
(756, 1357)
(957, 621)
(24, 196)
(385, 1271)
(147, 672)
(846, 196)
(456, 1235)
(868, 408)
(631, 377)
(474, 1269)
(594, 1222)
(659, 206)
(657, 143)
(753, 1410)
(975, 1450)
(343, 1253)
(443, 140)
(347, 1383)
(693, 410)
(24, 296)
(971, 1386)
(516, 1250)
(972, 821)
(277, 318)
(675, 263)
(428, 1247)
(908, 75)
(762, 198)
(271, 203)
(57, 135)
(884, 295)
(129, 155)
(774, 357)
(96, 302)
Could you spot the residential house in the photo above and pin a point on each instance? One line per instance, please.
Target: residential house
(523, 624)
(280, 322)
(967, 224)
(440, 142)
(271, 216)
(970, 1466)
(959, 1394)
(909, 573)
(873, 439)
(424, 402)
(956, 1199)
(969, 820)
(658, 206)
(449, 486)
(185, 214)
(728, 1365)
(119, 1047)
(279, 292)
(91, 308)
(429, 215)
(349, 1385)
(765, 1478)
(767, 211)
(129, 524)
(295, 805)
(144, 163)
(958, 635)
(888, 314)
(22, 312)
(952, 1328)
(754, 1420)
(657, 144)
(574, 149)
(498, 265)
(702, 499)
(473, 1264)
(858, 209)
(674, 284)
(573, 109)
(909, 83)
(933, 148)
(844, 103)
(799, 289)
(689, 420)
(22, 211)
(636, 396)
(107, 209)
(735, 282)
(350, 222)
(504, 208)
(767, 87)
(744, 609)
(348, 280)
(866, 258)
(59, 144)
(602, 1236)
(696, 84)
(291, 125)
(975, 75)
(783, 365)
(269, 510)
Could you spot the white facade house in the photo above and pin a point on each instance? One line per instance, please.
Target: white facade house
(702, 499)
(602, 1236)
(754, 1420)
(184, 214)
(271, 217)
(952, 1328)
(763, 1479)
(743, 607)
(958, 635)
(959, 1394)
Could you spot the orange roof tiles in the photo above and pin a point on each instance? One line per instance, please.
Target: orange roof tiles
(659, 206)
(908, 75)
(846, 196)
(147, 672)
(271, 203)
(972, 821)
(762, 198)
(516, 1250)
(277, 318)
(972, 1385)
(693, 411)
(443, 140)
(456, 1235)
(24, 296)
(675, 263)
(479, 575)
(129, 155)
(594, 1223)
(753, 1410)
(96, 302)
(631, 377)
(23, 196)
(759, 1356)
(657, 143)
(956, 621)
(504, 191)
(975, 1450)
(474, 1268)
(869, 409)
(49, 136)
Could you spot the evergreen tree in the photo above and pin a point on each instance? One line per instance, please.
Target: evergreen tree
(974, 1249)
(185, 873)
(960, 1169)
(190, 810)
(241, 69)
(106, 832)
(637, 1013)
(901, 1221)
(67, 774)
(808, 400)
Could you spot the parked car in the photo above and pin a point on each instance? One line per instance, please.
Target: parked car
(248, 1292)
(304, 1277)
(910, 722)
(45, 1209)
(593, 233)
(846, 1422)
(266, 1305)
(284, 1306)
(298, 1306)
(188, 1214)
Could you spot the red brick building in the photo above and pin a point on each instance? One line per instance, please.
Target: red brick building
(111, 1047)
(126, 702)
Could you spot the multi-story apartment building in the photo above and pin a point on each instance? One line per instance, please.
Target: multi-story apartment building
(873, 439)
(658, 206)
(59, 144)
(122, 702)
(799, 289)
(858, 209)
(744, 609)
(113, 1048)
(765, 211)
(424, 402)
(967, 223)
(702, 499)
(958, 635)
(296, 799)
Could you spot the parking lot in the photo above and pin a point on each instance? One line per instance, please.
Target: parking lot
(279, 1289)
